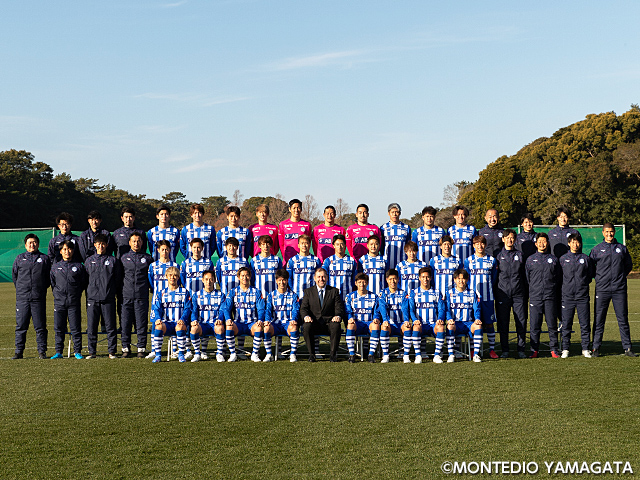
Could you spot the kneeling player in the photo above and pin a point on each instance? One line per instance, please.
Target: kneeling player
(281, 316)
(363, 317)
(244, 313)
(207, 318)
(170, 315)
(463, 311)
(390, 305)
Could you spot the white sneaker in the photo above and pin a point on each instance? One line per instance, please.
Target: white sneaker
(586, 353)
(151, 355)
(255, 357)
(477, 359)
(196, 358)
(232, 358)
(565, 354)
(406, 359)
(437, 359)
(188, 355)
(174, 355)
(418, 359)
(451, 359)
(125, 350)
(385, 359)
(267, 358)
(292, 358)
(220, 358)
(204, 356)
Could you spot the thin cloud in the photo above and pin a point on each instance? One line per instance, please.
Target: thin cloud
(207, 164)
(173, 5)
(193, 98)
(346, 57)
(177, 158)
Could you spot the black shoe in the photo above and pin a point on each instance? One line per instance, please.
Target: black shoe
(629, 353)
(312, 358)
(595, 353)
(352, 359)
(140, 354)
(371, 359)
(17, 356)
(504, 355)
(126, 354)
(42, 356)
(91, 355)
(333, 358)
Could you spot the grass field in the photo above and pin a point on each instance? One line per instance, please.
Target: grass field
(129, 418)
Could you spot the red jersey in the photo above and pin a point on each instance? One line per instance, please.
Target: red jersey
(271, 230)
(323, 240)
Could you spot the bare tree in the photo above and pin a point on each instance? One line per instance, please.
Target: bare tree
(278, 209)
(236, 199)
(310, 210)
(342, 208)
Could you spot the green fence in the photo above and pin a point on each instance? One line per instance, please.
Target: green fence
(591, 234)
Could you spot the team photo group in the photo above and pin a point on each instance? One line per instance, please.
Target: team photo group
(294, 280)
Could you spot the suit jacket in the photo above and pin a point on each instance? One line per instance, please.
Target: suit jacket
(331, 307)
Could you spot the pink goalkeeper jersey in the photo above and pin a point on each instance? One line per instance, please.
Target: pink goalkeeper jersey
(323, 240)
(258, 230)
(288, 233)
(357, 236)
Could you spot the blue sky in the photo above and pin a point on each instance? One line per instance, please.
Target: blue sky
(370, 101)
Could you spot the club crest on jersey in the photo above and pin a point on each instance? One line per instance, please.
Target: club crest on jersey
(107, 262)
(500, 234)
(582, 260)
(38, 261)
(549, 260)
(74, 269)
(143, 260)
(515, 257)
(618, 250)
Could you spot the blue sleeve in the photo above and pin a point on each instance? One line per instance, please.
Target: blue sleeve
(183, 242)
(442, 314)
(150, 243)
(466, 265)
(150, 275)
(268, 314)
(476, 308)
(183, 274)
(156, 310)
(249, 246)
(219, 242)
(376, 310)
(227, 306)
(406, 312)
(219, 274)
(326, 264)
(447, 308)
(382, 308)
(290, 272)
(186, 313)
(295, 312)
(414, 236)
(413, 315)
(260, 306)
(223, 301)
(347, 306)
(195, 314)
(176, 248)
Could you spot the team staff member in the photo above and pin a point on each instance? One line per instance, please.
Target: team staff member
(64, 221)
(492, 232)
(87, 239)
(526, 240)
(30, 275)
(612, 265)
(559, 236)
(122, 234)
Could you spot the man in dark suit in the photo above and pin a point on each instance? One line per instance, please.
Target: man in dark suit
(322, 310)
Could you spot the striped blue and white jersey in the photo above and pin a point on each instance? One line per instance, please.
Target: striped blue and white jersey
(156, 234)
(443, 269)
(227, 272)
(206, 233)
(172, 305)
(427, 306)
(409, 276)
(191, 273)
(301, 271)
(362, 308)
(342, 273)
(264, 270)
(395, 238)
(428, 240)
(244, 237)
(483, 274)
(374, 268)
(390, 306)
(462, 306)
(244, 306)
(462, 241)
(282, 307)
(207, 307)
(157, 278)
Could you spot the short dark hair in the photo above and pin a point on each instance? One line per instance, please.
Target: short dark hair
(32, 235)
(460, 207)
(609, 225)
(130, 210)
(294, 201)
(564, 210)
(165, 243)
(243, 269)
(196, 240)
(574, 236)
(373, 237)
(67, 217)
(527, 216)
(542, 235)
(232, 209)
(363, 205)
(509, 231)
(232, 241)
(331, 207)
(100, 238)
(94, 214)
(136, 234)
(426, 269)
(461, 271)
(265, 239)
(69, 244)
(209, 272)
(337, 237)
(445, 238)
(282, 273)
(430, 210)
(410, 246)
(391, 273)
(196, 207)
(362, 276)
(320, 269)
(479, 239)
(163, 207)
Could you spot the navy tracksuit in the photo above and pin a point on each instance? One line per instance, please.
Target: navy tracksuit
(577, 272)
(526, 243)
(31, 276)
(54, 248)
(612, 264)
(87, 240)
(494, 239)
(510, 293)
(558, 240)
(543, 275)
(68, 281)
(135, 297)
(120, 239)
(105, 276)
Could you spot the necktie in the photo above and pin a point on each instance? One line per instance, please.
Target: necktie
(321, 297)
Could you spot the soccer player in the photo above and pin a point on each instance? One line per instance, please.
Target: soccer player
(324, 234)
(482, 277)
(342, 269)
(229, 265)
(104, 273)
(424, 316)
(543, 275)
(234, 230)
(244, 313)
(64, 221)
(263, 228)
(289, 230)
(526, 240)
(158, 269)
(194, 265)
(302, 266)
(68, 280)
(31, 276)
(207, 318)
(428, 236)
(135, 294)
(374, 265)
(282, 315)
(444, 265)
(358, 234)
(391, 307)
(612, 264)
(164, 231)
(577, 272)
(395, 234)
(363, 318)
(87, 239)
(492, 232)
(511, 294)
(409, 269)
(462, 234)
(170, 315)
(264, 266)
(198, 229)
(122, 234)
(559, 236)
(463, 312)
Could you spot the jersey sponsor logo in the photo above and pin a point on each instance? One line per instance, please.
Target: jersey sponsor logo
(324, 241)
(264, 271)
(395, 238)
(291, 236)
(209, 308)
(246, 305)
(282, 308)
(428, 243)
(174, 304)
